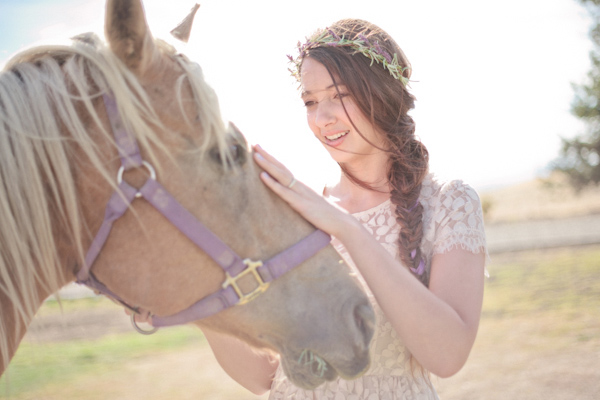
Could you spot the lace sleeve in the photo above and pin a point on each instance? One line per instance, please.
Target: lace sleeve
(459, 219)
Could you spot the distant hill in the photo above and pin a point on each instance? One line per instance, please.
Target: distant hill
(547, 198)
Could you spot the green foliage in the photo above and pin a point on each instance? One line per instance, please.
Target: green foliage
(580, 157)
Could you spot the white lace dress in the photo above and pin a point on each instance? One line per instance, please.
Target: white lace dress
(452, 219)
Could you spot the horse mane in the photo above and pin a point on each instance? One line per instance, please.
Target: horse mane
(42, 93)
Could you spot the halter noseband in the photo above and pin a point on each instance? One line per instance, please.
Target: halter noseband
(234, 266)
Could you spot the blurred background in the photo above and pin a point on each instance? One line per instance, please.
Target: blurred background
(492, 80)
(494, 83)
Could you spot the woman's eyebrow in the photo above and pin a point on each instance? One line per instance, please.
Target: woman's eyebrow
(309, 92)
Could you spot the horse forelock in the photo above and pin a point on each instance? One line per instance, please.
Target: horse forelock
(42, 93)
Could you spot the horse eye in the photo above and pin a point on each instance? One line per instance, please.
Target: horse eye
(236, 155)
(236, 152)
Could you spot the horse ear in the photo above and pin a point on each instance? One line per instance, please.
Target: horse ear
(128, 34)
(183, 30)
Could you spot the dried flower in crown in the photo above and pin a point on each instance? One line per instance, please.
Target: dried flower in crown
(362, 45)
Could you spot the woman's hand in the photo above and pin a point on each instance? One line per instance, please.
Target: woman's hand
(311, 205)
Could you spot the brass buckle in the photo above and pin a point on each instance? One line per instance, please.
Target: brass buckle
(251, 269)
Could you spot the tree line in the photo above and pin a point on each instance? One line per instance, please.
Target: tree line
(579, 157)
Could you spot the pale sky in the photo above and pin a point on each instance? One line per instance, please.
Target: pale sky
(492, 79)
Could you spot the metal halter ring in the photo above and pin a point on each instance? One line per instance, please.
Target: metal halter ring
(140, 330)
(145, 164)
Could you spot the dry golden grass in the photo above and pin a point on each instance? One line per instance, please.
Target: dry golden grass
(548, 198)
(539, 336)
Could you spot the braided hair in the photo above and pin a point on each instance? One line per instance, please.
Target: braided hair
(386, 101)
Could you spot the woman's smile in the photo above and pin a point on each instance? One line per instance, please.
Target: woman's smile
(335, 139)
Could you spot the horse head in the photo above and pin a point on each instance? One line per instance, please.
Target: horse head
(60, 138)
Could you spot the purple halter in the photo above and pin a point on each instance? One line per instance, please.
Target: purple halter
(235, 267)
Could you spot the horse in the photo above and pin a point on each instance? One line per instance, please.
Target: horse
(88, 131)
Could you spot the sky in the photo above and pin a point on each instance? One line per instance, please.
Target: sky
(492, 79)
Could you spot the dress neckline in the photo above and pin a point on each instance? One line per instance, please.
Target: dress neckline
(373, 209)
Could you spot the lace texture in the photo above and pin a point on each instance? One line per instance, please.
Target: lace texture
(452, 218)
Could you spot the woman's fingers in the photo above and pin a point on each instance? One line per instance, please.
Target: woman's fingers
(276, 186)
(311, 205)
(268, 157)
(274, 168)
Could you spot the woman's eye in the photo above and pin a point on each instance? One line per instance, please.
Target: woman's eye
(309, 104)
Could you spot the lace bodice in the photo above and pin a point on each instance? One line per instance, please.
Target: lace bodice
(452, 218)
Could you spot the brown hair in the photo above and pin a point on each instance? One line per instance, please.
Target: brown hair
(386, 101)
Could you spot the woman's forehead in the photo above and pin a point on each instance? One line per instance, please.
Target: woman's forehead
(315, 78)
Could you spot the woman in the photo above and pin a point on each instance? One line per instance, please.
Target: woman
(417, 243)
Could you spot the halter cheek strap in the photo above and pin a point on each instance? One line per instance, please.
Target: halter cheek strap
(234, 266)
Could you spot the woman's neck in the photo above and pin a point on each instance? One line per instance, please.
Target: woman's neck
(353, 197)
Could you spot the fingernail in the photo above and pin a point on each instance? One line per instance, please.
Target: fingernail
(259, 156)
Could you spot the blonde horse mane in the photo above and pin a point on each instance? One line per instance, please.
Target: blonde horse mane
(41, 90)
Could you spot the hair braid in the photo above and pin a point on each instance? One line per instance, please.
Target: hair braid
(407, 169)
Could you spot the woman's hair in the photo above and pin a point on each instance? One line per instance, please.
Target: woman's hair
(386, 101)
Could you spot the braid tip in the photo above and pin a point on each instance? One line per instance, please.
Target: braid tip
(420, 269)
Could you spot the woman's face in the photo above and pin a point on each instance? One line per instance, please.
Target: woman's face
(327, 118)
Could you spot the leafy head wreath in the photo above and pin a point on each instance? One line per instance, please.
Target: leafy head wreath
(362, 45)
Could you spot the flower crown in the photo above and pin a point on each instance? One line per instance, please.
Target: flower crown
(362, 45)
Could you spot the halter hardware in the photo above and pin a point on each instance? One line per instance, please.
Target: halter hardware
(145, 164)
(140, 330)
(250, 270)
(159, 197)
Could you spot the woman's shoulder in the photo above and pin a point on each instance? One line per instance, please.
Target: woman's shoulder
(436, 190)
(452, 216)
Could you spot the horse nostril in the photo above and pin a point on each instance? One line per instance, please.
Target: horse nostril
(364, 320)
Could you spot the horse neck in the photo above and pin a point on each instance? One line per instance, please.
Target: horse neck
(17, 313)
(43, 238)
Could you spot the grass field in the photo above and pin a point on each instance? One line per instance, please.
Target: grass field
(539, 339)
(539, 336)
(543, 198)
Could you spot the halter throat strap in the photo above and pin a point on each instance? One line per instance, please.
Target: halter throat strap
(154, 193)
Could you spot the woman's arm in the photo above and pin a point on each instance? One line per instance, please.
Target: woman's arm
(253, 369)
(439, 324)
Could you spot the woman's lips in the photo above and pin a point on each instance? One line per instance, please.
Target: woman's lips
(335, 139)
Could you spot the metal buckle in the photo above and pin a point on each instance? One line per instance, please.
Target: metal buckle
(251, 269)
(145, 164)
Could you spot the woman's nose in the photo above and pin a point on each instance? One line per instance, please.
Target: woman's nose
(324, 115)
